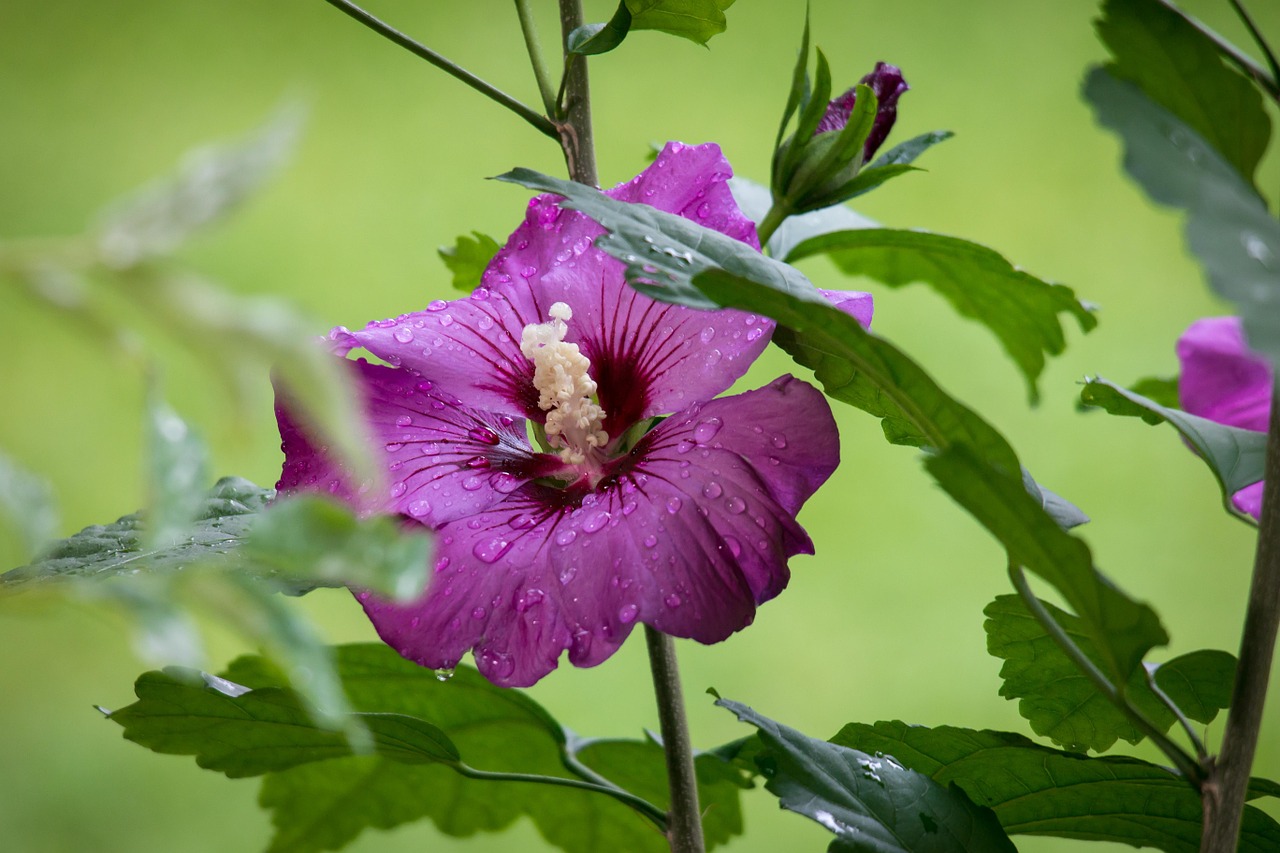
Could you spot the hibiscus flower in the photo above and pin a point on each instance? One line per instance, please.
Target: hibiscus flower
(524, 424)
(1224, 381)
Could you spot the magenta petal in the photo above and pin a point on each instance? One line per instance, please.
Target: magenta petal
(857, 304)
(444, 460)
(470, 349)
(1249, 500)
(647, 357)
(1221, 379)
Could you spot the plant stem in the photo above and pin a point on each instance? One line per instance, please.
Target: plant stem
(575, 130)
(1186, 765)
(534, 48)
(770, 223)
(646, 808)
(541, 122)
(1259, 74)
(1257, 37)
(684, 827)
(1224, 791)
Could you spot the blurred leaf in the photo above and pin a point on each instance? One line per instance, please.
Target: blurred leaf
(906, 152)
(415, 717)
(1122, 630)
(210, 183)
(1180, 68)
(1061, 703)
(467, 259)
(1229, 229)
(675, 260)
(593, 39)
(104, 551)
(870, 803)
(1160, 390)
(1018, 308)
(177, 472)
(696, 20)
(1035, 790)
(317, 541)
(755, 200)
(1064, 512)
(27, 505)
(1235, 456)
(798, 94)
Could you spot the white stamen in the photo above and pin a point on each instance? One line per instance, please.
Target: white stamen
(565, 390)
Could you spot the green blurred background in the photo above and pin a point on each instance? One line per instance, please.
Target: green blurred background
(884, 623)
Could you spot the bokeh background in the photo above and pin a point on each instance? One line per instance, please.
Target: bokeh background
(884, 623)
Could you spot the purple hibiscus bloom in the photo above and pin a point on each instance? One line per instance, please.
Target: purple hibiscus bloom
(888, 84)
(612, 516)
(1224, 381)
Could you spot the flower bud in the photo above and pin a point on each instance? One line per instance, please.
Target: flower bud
(887, 83)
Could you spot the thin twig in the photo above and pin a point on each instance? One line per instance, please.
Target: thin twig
(534, 48)
(1257, 37)
(1245, 63)
(540, 122)
(643, 806)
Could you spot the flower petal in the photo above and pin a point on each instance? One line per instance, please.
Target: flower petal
(689, 533)
(857, 304)
(647, 357)
(445, 460)
(1221, 379)
(1249, 500)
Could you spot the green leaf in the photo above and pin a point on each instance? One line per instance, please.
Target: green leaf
(422, 724)
(1061, 703)
(696, 20)
(593, 39)
(1122, 630)
(1228, 226)
(104, 551)
(1181, 69)
(870, 803)
(1035, 790)
(906, 152)
(210, 183)
(177, 462)
(27, 505)
(798, 94)
(1022, 311)
(1235, 456)
(467, 259)
(315, 541)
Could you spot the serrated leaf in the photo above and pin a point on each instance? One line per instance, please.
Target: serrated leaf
(1180, 68)
(1035, 790)
(593, 39)
(176, 462)
(467, 259)
(26, 506)
(1022, 311)
(696, 20)
(414, 716)
(103, 551)
(1061, 703)
(311, 540)
(1122, 630)
(209, 184)
(870, 803)
(1229, 228)
(1235, 456)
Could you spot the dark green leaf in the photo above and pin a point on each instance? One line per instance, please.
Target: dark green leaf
(1021, 310)
(864, 182)
(311, 540)
(799, 92)
(27, 506)
(103, 551)
(1235, 456)
(906, 152)
(467, 259)
(1035, 790)
(1179, 67)
(593, 39)
(210, 183)
(1160, 390)
(1229, 228)
(696, 20)
(176, 460)
(1061, 703)
(1122, 630)
(870, 802)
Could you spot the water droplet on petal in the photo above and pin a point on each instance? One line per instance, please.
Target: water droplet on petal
(672, 601)
(404, 421)
(398, 489)
(650, 541)
(735, 505)
(419, 509)
(567, 574)
(703, 211)
(491, 550)
(779, 441)
(566, 536)
(477, 462)
(734, 546)
(478, 613)
(425, 385)
(436, 305)
(483, 434)
(628, 613)
(595, 521)
(674, 504)
(530, 598)
(707, 430)
(485, 322)
(713, 357)
(707, 334)
(403, 334)
(444, 674)
(712, 490)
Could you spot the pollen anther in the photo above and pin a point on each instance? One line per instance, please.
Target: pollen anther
(566, 392)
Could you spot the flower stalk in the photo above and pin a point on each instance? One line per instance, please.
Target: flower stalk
(1224, 791)
(684, 823)
(575, 129)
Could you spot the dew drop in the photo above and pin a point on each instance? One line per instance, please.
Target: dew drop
(393, 446)
(627, 614)
(755, 334)
(707, 430)
(703, 211)
(567, 574)
(650, 541)
(436, 305)
(779, 441)
(712, 490)
(529, 272)
(403, 334)
(477, 462)
(672, 601)
(530, 598)
(566, 536)
(485, 322)
(473, 484)
(674, 504)
(478, 613)
(735, 505)
(595, 521)
(419, 509)
(713, 357)
(707, 334)
(484, 435)
(491, 550)
(404, 421)
(398, 489)
(425, 385)
(444, 674)
(629, 507)
(734, 546)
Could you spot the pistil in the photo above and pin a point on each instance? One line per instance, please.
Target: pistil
(566, 391)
